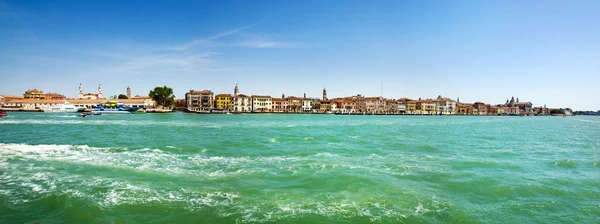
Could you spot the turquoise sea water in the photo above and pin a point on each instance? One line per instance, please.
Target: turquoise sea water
(271, 168)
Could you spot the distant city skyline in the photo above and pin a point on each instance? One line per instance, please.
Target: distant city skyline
(545, 52)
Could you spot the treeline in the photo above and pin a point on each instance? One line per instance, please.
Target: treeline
(586, 113)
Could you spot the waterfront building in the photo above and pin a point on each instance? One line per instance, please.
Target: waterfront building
(445, 105)
(199, 100)
(479, 108)
(464, 108)
(333, 107)
(316, 106)
(391, 106)
(34, 94)
(55, 96)
(498, 109)
(262, 104)
(374, 104)
(541, 110)
(411, 107)
(347, 106)
(325, 106)
(307, 104)
(524, 107)
(278, 105)
(294, 104)
(361, 105)
(510, 107)
(90, 96)
(402, 105)
(284, 104)
(242, 103)
(179, 104)
(223, 102)
(426, 106)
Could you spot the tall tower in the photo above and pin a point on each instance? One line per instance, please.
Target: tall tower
(324, 94)
(100, 92)
(128, 92)
(80, 91)
(236, 90)
(304, 95)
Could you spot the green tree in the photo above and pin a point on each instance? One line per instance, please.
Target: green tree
(122, 96)
(163, 96)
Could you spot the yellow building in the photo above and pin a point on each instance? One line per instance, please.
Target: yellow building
(223, 102)
(34, 94)
(427, 106)
(411, 107)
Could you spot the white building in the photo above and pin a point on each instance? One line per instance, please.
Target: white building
(262, 103)
(307, 104)
(90, 96)
(242, 103)
(445, 105)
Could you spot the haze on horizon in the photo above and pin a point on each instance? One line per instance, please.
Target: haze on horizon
(546, 52)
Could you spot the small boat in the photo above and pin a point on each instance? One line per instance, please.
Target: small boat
(82, 115)
(3, 113)
(65, 107)
(93, 113)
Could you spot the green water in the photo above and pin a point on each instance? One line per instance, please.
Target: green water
(268, 168)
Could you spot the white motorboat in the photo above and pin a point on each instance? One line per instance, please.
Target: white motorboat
(65, 107)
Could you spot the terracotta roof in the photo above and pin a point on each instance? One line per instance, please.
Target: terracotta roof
(206, 91)
(223, 95)
(373, 98)
(277, 99)
(522, 102)
(259, 96)
(8, 96)
(240, 95)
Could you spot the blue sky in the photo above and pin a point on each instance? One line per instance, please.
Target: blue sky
(546, 52)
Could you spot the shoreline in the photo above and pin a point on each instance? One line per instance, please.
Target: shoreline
(156, 111)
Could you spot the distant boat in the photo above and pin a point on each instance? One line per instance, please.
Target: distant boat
(114, 107)
(66, 107)
(93, 113)
(3, 113)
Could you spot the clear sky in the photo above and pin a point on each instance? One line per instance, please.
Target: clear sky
(546, 52)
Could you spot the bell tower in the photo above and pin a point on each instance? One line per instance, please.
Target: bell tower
(80, 91)
(324, 94)
(100, 91)
(128, 92)
(236, 90)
